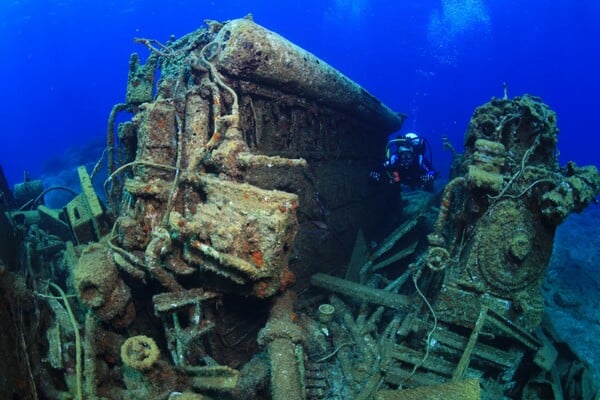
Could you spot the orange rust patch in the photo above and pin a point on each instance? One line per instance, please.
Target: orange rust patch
(258, 259)
(161, 124)
(261, 289)
(286, 278)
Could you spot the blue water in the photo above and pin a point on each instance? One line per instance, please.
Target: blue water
(64, 63)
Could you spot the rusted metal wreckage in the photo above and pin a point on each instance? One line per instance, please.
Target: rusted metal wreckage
(239, 180)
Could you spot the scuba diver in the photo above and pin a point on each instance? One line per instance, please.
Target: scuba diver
(407, 162)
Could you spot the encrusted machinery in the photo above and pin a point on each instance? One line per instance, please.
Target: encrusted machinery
(226, 168)
(495, 230)
(241, 168)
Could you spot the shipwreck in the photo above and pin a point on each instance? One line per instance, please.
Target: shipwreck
(228, 257)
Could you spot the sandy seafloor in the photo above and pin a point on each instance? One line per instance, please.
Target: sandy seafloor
(572, 285)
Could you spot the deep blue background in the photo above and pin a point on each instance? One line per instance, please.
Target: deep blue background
(64, 63)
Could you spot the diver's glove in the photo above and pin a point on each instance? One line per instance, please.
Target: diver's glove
(428, 177)
(376, 176)
(393, 159)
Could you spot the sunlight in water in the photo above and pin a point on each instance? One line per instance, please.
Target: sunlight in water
(455, 20)
(350, 9)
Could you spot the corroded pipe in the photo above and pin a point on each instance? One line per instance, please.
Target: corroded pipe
(282, 338)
